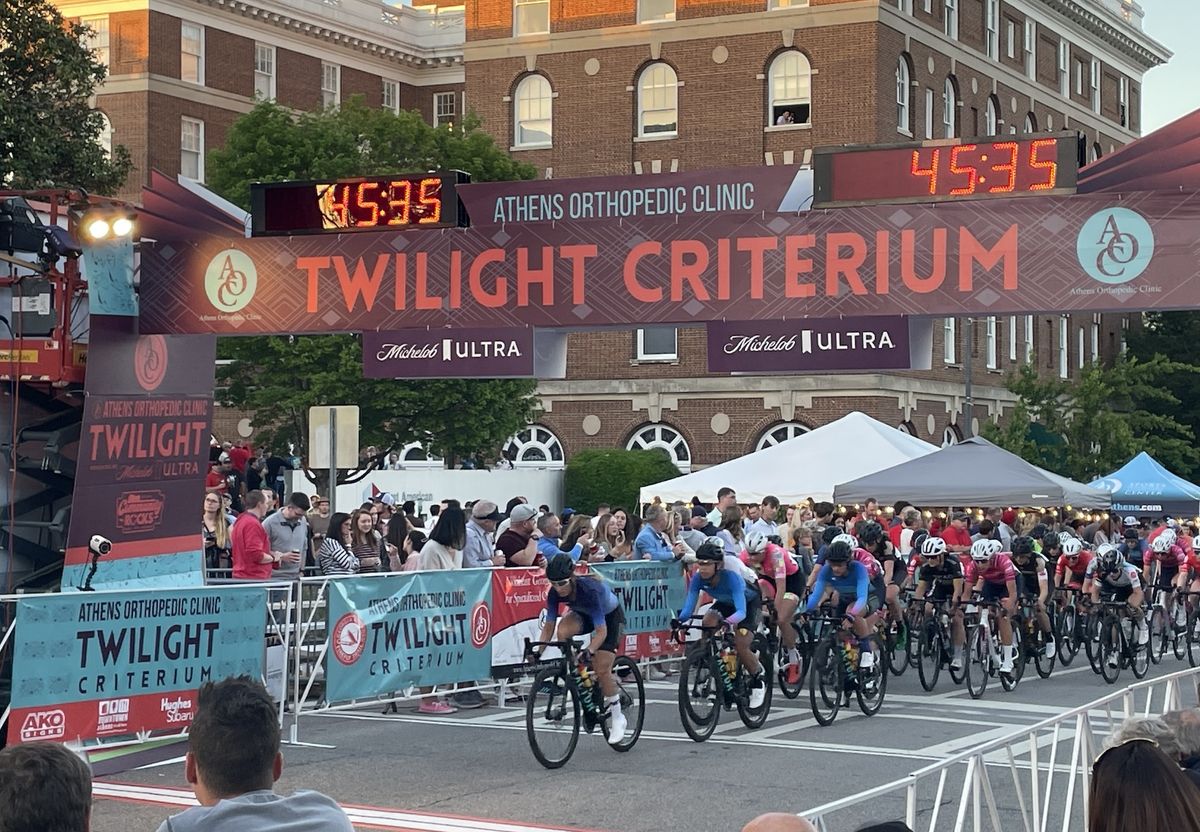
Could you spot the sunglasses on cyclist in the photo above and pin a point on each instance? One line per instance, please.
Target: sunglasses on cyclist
(561, 583)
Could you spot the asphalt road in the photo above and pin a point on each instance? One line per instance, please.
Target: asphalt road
(478, 763)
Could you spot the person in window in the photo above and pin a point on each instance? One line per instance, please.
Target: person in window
(785, 118)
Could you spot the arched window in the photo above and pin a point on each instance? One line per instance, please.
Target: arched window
(949, 108)
(1030, 123)
(414, 455)
(903, 89)
(535, 447)
(1094, 153)
(105, 137)
(991, 120)
(658, 435)
(789, 84)
(780, 432)
(951, 436)
(533, 125)
(908, 428)
(658, 101)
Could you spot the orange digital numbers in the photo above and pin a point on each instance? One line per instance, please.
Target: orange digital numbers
(365, 201)
(400, 202)
(971, 173)
(1010, 167)
(334, 206)
(1049, 167)
(429, 198)
(931, 171)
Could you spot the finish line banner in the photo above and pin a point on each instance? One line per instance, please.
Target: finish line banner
(92, 665)
(421, 628)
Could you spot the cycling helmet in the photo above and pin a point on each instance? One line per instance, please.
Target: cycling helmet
(1071, 547)
(710, 551)
(1169, 534)
(756, 543)
(931, 547)
(1022, 546)
(918, 540)
(776, 539)
(1039, 531)
(1050, 540)
(1131, 534)
(1161, 544)
(981, 550)
(848, 539)
(1109, 556)
(829, 534)
(870, 533)
(839, 551)
(560, 567)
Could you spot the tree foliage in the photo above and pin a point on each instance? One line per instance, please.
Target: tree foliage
(49, 134)
(614, 477)
(1175, 336)
(281, 377)
(1091, 426)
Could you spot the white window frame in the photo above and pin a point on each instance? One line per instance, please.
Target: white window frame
(531, 11)
(779, 433)
(186, 121)
(803, 79)
(105, 136)
(642, 355)
(1096, 321)
(1124, 334)
(1012, 338)
(331, 94)
(1095, 84)
(183, 55)
(439, 114)
(1079, 351)
(903, 97)
(928, 113)
(99, 41)
(1064, 340)
(1123, 102)
(1030, 124)
(1078, 70)
(643, 15)
(927, 6)
(949, 109)
(670, 102)
(991, 29)
(991, 117)
(992, 353)
(1031, 48)
(390, 89)
(904, 6)
(1028, 339)
(950, 340)
(542, 442)
(950, 13)
(1064, 68)
(264, 77)
(659, 435)
(1010, 31)
(524, 99)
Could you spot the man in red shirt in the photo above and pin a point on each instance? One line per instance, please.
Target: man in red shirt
(252, 556)
(239, 455)
(957, 535)
(215, 481)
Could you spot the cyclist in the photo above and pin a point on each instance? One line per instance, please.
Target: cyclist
(778, 578)
(1134, 549)
(1033, 583)
(593, 608)
(1051, 548)
(847, 582)
(1072, 566)
(1171, 570)
(735, 600)
(991, 573)
(941, 572)
(873, 539)
(1116, 579)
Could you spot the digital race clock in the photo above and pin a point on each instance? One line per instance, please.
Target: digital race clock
(373, 203)
(953, 169)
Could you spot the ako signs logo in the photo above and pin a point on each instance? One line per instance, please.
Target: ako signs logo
(1115, 246)
(139, 511)
(44, 725)
(349, 638)
(230, 280)
(150, 361)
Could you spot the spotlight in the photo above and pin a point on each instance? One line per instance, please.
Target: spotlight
(122, 227)
(98, 228)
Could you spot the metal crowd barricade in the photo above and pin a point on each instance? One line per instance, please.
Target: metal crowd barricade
(1049, 766)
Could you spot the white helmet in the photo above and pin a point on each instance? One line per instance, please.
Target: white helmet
(932, 547)
(849, 539)
(1071, 546)
(1109, 555)
(756, 543)
(981, 550)
(1162, 543)
(1169, 534)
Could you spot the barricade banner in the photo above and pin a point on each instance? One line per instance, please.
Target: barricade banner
(92, 665)
(421, 628)
(651, 592)
(518, 604)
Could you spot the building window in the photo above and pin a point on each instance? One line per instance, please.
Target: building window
(908, 428)
(1078, 76)
(535, 447)
(1012, 338)
(991, 31)
(1030, 123)
(414, 455)
(1095, 84)
(1124, 333)
(1031, 49)
(531, 17)
(790, 79)
(658, 101)
(655, 11)
(951, 436)
(97, 39)
(1079, 349)
(779, 433)
(443, 109)
(391, 96)
(949, 340)
(951, 18)
(991, 117)
(191, 148)
(1093, 152)
(992, 353)
(1096, 320)
(949, 105)
(1123, 102)
(534, 125)
(1064, 64)
(665, 437)
(1064, 364)
(105, 136)
(1028, 339)
(927, 6)
(264, 71)
(902, 96)
(928, 113)
(904, 5)
(331, 85)
(658, 343)
(191, 52)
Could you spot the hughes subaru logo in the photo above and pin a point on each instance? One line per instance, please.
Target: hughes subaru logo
(1115, 245)
(230, 280)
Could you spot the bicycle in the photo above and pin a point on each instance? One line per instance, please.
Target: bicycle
(983, 652)
(1189, 637)
(1070, 625)
(1031, 639)
(935, 644)
(804, 643)
(1116, 649)
(566, 693)
(1163, 632)
(712, 678)
(836, 673)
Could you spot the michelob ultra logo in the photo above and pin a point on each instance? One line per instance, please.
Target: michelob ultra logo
(1115, 245)
(230, 280)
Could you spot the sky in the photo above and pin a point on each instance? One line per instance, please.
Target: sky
(1172, 90)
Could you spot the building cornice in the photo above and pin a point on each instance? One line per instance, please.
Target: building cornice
(1120, 34)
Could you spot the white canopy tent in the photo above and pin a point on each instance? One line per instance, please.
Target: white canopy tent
(806, 466)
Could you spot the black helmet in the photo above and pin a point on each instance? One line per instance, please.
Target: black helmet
(1131, 534)
(838, 553)
(776, 539)
(1038, 532)
(917, 539)
(829, 534)
(560, 567)
(710, 552)
(1022, 546)
(870, 533)
(1050, 541)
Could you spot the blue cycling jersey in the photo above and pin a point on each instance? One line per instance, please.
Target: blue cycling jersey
(592, 601)
(856, 583)
(728, 587)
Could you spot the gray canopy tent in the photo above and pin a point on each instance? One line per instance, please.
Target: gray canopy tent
(972, 473)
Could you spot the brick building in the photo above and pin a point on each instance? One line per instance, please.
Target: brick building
(645, 86)
(181, 71)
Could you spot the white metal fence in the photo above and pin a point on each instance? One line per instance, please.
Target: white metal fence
(1035, 779)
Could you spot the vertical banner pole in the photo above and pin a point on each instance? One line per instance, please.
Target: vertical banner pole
(333, 460)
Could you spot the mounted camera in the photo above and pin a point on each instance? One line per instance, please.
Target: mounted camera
(99, 545)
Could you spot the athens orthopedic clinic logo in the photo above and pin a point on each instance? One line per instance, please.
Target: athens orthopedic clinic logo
(230, 280)
(349, 638)
(1115, 246)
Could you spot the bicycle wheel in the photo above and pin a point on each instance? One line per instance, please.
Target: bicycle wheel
(1180, 646)
(790, 689)
(872, 684)
(827, 680)
(1042, 663)
(896, 647)
(755, 717)
(806, 641)
(978, 659)
(1110, 649)
(1139, 661)
(632, 691)
(930, 653)
(1009, 681)
(700, 694)
(1192, 636)
(1066, 643)
(552, 717)
(1160, 634)
(1091, 640)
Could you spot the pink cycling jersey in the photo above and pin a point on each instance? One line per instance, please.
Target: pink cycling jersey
(777, 563)
(1173, 558)
(999, 571)
(868, 560)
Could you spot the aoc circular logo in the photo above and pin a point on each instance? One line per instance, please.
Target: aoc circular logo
(230, 280)
(481, 624)
(349, 638)
(1109, 484)
(150, 361)
(1115, 245)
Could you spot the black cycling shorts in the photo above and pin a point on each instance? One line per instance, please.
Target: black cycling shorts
(873, 605)
(753, 611)
(793, 583)
(940, 591)
(1166, 576)
(880, 590)
(614, 624)
(1115, 593)
(993, 592)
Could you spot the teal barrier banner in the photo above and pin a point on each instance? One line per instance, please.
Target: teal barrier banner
(421, 628)
(97, 664)
(651, 592)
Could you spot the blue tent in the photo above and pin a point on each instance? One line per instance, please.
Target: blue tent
(1144, 488)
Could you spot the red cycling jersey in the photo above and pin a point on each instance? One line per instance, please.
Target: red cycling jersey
(999, 570)
(1173, 558)
(1077, 567)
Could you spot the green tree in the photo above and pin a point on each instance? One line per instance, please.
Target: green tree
(280, 377)
(614, 477)
(1174, 335)
(49, 135)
